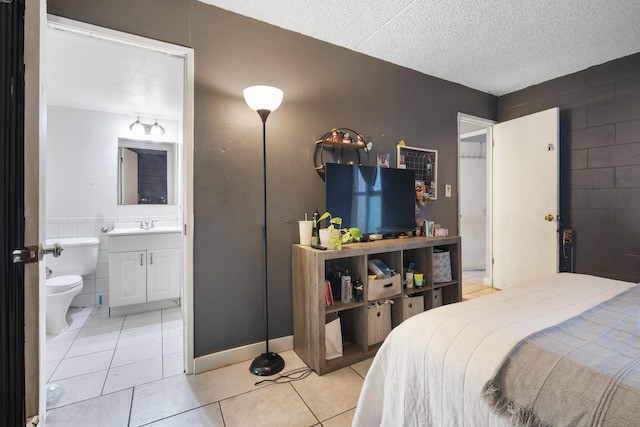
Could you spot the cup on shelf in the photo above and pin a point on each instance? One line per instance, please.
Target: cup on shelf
(418, 279)
(324, 236)
(306, 228)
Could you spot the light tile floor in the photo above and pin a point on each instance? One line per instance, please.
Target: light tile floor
(137, 383)
(473, 284)
(98, 355)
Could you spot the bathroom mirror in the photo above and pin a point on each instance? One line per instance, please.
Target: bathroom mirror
(146, 172)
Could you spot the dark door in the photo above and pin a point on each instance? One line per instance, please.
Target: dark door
(12, 383)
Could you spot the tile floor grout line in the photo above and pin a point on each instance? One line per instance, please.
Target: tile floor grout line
(72, 342)
(106, 377)
(224, 423)
(358, 373)
(305, 403)
(133, 393)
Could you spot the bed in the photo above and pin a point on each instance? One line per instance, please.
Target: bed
(435, 368)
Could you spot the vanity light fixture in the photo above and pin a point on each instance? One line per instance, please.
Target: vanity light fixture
(140, 128)
(264, 100)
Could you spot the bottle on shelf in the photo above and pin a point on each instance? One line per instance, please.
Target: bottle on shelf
(347, 291)
(409, 275)
(358, 290)
(315, 233)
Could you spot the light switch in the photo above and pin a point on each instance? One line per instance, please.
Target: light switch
(447, 190)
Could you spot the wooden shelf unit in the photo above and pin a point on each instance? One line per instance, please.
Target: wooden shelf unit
(310, 268)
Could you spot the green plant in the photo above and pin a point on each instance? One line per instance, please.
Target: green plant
(345, 234)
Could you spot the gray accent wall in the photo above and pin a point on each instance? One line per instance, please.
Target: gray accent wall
(324, 87)
(600, 161)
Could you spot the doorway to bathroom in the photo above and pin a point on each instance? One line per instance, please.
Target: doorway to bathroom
(105, 87)
(474, 198)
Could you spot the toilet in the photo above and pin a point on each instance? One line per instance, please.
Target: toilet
(79, 257)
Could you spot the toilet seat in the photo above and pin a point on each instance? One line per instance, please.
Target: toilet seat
(60, 284)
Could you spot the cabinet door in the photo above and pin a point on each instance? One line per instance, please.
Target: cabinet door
(163, 274)
(127, 278)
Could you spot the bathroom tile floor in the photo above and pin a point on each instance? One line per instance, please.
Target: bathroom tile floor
(98, 354)
(126, 371)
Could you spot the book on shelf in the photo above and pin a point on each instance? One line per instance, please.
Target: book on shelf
(328, 294)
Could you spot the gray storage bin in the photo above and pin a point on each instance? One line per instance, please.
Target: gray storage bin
(441, 265)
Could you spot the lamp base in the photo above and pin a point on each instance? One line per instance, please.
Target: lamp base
(267, 364)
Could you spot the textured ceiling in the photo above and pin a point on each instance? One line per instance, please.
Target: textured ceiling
(495, 46)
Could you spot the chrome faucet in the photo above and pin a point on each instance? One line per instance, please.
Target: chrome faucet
(146, 225)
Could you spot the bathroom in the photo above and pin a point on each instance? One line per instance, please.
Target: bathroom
(95, 94)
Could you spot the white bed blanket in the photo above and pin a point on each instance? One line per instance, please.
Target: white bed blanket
(431, 369)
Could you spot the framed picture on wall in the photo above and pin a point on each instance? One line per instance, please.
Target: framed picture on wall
(424, 162)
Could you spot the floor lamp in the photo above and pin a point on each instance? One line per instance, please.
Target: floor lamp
(264, 100)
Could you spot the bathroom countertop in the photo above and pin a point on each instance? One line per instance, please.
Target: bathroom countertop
(141, 231)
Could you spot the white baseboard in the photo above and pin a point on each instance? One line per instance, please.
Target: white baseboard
(143, 307)
(240, 354)
(487, 281)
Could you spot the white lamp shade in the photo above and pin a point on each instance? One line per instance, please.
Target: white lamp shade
(263, 97)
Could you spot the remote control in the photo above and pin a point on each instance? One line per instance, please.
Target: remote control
(322, 248)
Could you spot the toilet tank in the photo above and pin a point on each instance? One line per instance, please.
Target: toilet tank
(79, 256)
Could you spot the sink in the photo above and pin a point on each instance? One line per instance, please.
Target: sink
(130, 231)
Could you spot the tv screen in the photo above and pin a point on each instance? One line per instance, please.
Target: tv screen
(374, 199)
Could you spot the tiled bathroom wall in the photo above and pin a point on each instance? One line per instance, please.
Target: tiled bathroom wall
(95, 289)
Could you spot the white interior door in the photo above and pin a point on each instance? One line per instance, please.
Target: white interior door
(525, 198)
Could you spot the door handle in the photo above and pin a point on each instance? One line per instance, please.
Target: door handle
(30, 254)
(141, 255)
(55, 250)
(548, 217)
(151, 258)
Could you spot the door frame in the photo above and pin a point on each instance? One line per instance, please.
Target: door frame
(186, 167)
(488, 125)
(35, 112)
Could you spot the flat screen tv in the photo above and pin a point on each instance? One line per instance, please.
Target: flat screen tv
(374, 199)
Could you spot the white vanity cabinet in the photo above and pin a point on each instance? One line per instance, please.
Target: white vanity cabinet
(127, 278)
(163, 274)
(144, 268)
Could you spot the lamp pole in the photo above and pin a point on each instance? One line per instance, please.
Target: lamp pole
(263, 115)
(264, 100)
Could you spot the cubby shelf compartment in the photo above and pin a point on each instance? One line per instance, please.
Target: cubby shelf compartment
(310, 268)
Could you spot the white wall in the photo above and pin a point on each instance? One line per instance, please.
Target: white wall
(81, 184)
(473, 208)
(82, 164)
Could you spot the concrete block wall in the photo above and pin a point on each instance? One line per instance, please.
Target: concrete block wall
(600, 162)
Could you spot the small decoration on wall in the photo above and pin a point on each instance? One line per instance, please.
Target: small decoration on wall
(422, 195)
(345, 136)
(340, 145)
(383, 160)
(335, 135)
(425, 164)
